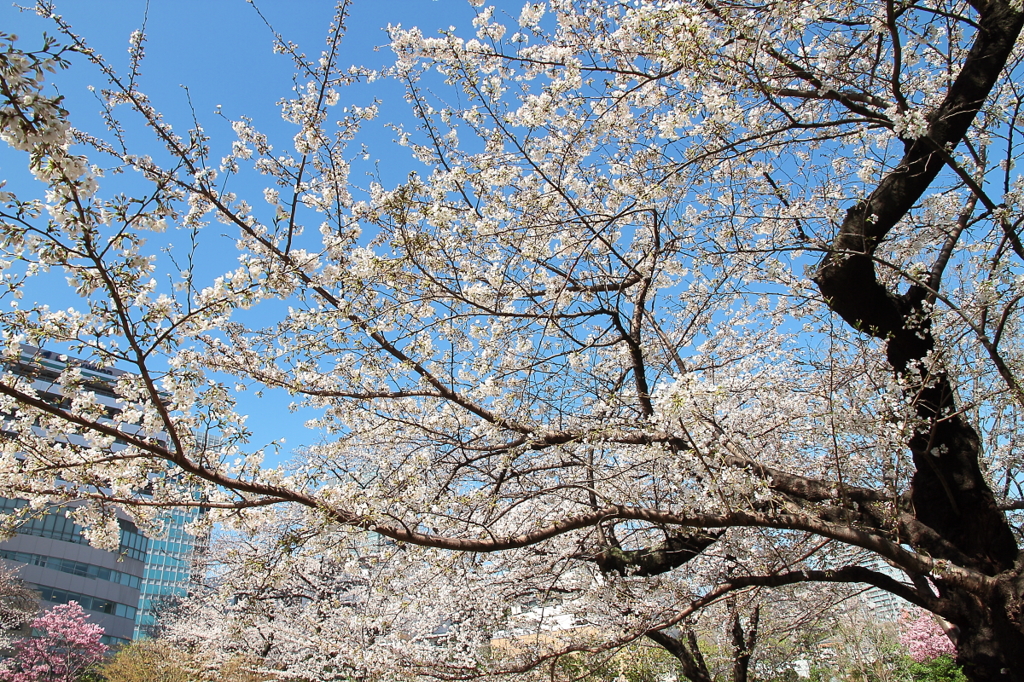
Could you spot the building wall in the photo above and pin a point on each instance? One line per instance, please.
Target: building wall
(174, 563)
(121, 590)
(51, 555)
(885, 606)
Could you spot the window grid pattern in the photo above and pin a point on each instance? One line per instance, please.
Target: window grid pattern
(113, 642)
(73, 567)
(170, 567)
(56, 526)
(56, 596)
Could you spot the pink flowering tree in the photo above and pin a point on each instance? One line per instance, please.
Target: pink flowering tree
(925, 639)
(639, 288)
(67, 646)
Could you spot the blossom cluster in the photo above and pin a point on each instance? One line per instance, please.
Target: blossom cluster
(924, 639)
(581, 323)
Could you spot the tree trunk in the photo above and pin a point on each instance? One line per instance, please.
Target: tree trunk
(949, 494)
(692, 661)
(690, 658)
(990, 645)
(743, 644)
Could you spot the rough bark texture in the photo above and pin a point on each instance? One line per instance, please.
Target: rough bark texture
(949, 494)
(743, 643)
(687, 652)
(685, 648)
(675, 551)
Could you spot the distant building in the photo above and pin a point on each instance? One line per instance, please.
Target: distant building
(174, 564)
(880, 605)
(884, 606)
(55, 559)
(127, 587)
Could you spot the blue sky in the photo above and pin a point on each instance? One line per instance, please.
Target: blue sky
(222, 51)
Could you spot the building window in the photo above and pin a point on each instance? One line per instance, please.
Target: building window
(73, 567)
(53, 524)
(56, 596)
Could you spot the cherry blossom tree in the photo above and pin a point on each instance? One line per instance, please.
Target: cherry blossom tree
(18, 604)
(66, 647)
(676, 300)
(692, 660)
(925, 639)
(330, 608)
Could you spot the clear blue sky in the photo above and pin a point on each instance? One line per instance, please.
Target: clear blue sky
(222, 50)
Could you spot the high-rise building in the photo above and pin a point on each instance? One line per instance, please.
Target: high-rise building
(54, 558)
(125, 588)
(882, 605)
(174, 564)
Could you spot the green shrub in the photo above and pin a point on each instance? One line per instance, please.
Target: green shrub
(941, 669)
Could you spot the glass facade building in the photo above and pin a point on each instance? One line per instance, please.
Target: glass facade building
(53, 557)
(124, 590)
(174, 563)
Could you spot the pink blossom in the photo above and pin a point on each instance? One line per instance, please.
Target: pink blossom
(66, 647)
(924, 638)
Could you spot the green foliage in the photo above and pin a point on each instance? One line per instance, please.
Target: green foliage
(636, 663)
(941, 669)
(146, 661)
(155, 660)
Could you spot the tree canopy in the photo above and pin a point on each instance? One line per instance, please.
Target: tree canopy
(673, 300)
(64, 646)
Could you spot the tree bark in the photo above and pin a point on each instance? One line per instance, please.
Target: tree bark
(743, 643)
(949, 494)
(690, 658)
(687, 651)
(990, 645)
